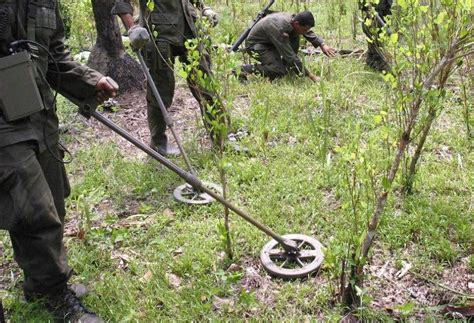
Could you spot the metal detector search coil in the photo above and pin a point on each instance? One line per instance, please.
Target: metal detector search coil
(289, 256)
(19, 94)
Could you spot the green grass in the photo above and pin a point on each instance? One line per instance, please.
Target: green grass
(293, 181)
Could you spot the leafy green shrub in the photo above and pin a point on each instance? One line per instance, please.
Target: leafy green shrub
(79, 24)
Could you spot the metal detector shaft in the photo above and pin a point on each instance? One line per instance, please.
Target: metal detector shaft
(288, 245)
(380, 20)
(164, 112)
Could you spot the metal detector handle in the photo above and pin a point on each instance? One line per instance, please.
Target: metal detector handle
(380, 20)
(88, 105)
(246, 33)
(288, 245)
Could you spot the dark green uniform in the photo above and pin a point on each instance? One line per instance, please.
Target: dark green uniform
(375, 55)
(33, 184)
(274, 43)
(171, 23)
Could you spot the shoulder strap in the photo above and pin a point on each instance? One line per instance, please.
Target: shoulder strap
(31, 19)
(5, 28)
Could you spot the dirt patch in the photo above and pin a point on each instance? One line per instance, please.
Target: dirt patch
(387, 285)
(390, 288)
(131, 114)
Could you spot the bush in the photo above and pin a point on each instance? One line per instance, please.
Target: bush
(79, 24)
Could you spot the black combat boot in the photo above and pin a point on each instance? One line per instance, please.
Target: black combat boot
(159, 143)
(166, 149)
(65, 306)
(80, 290)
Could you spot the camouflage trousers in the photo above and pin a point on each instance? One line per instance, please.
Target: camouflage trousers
(160, 57)
(32, 191)
(271, 63)
(375, 54)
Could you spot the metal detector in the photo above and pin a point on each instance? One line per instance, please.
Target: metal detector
(288, 256)
(184, 193)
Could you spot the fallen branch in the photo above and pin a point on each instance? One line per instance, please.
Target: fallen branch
(343, 52)
(434, 282)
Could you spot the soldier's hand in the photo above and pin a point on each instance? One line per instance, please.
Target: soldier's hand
(106, 88)
(314, 78)
(211, 15)
(328, 51)
(139, 37)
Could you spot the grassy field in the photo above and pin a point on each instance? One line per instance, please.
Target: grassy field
(149, 258)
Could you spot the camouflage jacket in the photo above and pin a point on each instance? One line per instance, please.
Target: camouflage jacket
(76, 80)
(275, 30)
(383, 7)
(172, 21)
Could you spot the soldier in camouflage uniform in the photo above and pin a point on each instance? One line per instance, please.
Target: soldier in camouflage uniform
(171, 23)
(275, 40)
(33, 182)
(375, 55)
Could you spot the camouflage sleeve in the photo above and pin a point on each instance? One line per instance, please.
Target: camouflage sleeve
(122, 7)
(281, 41)
(76, 80)
(384, 7)
(313, 39)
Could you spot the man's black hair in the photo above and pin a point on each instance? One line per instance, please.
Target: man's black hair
(305, 18)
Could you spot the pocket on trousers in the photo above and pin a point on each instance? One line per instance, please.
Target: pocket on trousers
(8, 179)
(150, 55)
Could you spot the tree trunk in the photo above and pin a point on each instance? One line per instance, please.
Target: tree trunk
(108, 55)
(432, 114)
(357, 278)
(408, 186)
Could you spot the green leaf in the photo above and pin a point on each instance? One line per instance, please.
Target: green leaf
(378, 119)
(386, 183)
(440, 18)
(394, 38)
(183, 74)
(406, 309)
(151, 5)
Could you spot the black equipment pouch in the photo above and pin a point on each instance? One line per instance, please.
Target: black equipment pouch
(19, 94)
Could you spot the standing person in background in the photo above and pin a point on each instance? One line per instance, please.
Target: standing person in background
(33, 180)
(371, 26)
(171, 23)
(275, 40)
